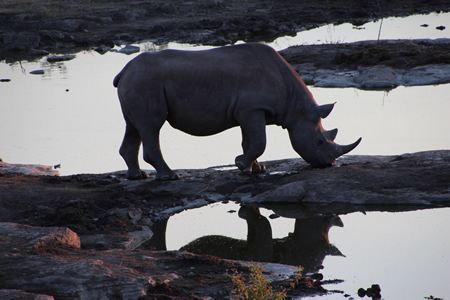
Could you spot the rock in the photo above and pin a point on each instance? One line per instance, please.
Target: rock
(57, 58)
(137, 238)
(69, 278)
(129, 49)
(192, 204)
(169, 8)
(135, 14)
(21, 295)
(29, 237)
(51, 35)
(73, 273)
(426, 75)
(377, 78)
(102, 49)
(292, 192)
(38, 52)
(331, 78)
(135, 215)
(68, 25)
(37, 72)
(6, 168)
(20, 41)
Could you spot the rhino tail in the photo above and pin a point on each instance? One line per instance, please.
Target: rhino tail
(117, 79)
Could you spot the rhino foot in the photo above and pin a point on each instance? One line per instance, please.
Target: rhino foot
(137, 175)
(258, 168)
(255, 168)
(167, 176)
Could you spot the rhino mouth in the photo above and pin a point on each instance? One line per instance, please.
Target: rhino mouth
(323, 166)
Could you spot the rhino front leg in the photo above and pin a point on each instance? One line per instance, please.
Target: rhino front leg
(129, 150)
(253, 144)
(256, 167)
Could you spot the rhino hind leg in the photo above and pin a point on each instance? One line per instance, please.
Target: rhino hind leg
(129, 150)
(153, 155)
(253, 144)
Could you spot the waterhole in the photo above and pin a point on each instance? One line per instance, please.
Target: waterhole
(407, 253)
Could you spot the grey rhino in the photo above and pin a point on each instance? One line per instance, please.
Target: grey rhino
(205, 92)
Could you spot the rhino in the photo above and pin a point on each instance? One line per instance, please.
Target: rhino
(206, 92)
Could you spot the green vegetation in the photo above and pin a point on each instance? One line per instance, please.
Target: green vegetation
(258, 287)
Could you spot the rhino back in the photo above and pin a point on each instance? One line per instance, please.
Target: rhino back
(209, 91)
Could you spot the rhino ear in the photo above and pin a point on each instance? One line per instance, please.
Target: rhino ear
(325, 110)
(330, 134)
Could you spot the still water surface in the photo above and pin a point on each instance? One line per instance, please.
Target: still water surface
(71, 114)
(406, 253)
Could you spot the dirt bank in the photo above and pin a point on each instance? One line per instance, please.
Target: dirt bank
(30, 28)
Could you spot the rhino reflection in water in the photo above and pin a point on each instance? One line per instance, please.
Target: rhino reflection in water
(205, 92)
(307, 246)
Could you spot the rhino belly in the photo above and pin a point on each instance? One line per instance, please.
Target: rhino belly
(200, 123)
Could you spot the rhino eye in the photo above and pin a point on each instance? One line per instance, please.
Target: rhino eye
(320, 142)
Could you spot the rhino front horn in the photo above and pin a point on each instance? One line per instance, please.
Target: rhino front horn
(347, 148)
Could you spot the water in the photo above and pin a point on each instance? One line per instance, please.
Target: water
(71, 116)
(406, 253)
(385, 29)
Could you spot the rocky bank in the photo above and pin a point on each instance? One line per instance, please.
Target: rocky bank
(81, 236)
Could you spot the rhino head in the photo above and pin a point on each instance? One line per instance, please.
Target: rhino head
(313, 143)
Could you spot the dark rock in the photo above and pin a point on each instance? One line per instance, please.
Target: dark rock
(134, 14)
(129, 49)
(68, 25)
(38, 52)
(51, 36)
(377, 78)
(168, 8)
(317, 276)
(21, 295)
(29, 237)
(37, 72)
(21, 41)
(102, 49)
(57, 58)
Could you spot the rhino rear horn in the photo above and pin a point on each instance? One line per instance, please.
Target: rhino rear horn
(330, 134)
(325, 110)
(347, 148)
